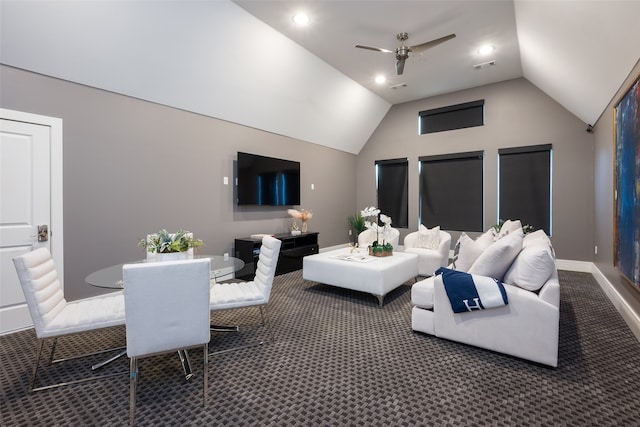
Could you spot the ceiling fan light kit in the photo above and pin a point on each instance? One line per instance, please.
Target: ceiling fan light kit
(402, 52)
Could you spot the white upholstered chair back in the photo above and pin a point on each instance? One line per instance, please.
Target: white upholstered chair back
(368, 236)
(41, 287)
(429, 260)
(267, 262)
(166, 305)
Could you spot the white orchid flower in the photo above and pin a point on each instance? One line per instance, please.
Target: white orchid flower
(385, 219)
(370, 211)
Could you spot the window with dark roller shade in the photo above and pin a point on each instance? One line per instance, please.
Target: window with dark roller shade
(525, 185)
(392, 178)
(451, 191)
(452, 117)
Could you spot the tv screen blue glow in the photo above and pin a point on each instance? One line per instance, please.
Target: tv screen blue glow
(267, 181)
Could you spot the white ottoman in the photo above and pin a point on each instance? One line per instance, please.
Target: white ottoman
(375, 275)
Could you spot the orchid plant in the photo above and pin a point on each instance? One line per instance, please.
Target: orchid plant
(373, 216)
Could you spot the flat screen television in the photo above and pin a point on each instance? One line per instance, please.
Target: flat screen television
(267, 181)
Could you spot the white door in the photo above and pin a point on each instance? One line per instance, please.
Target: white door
(25, 208)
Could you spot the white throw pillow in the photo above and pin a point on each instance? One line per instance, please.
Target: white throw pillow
(532, 267)
(508, 227)
(465, 252)
(496, 259)
(538, 237)
(487, 238)
(428, 238)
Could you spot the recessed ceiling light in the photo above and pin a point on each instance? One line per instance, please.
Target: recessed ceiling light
(301, 19)
(380, 79)
(486, 49)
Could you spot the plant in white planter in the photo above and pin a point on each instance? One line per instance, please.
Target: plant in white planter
(164, 242)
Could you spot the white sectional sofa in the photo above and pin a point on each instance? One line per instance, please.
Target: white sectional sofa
(527, 327)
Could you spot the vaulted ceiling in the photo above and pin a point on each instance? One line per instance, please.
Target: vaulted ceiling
(576, 51)
(245, 61)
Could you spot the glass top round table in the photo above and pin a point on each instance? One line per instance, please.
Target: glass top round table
(111, 277)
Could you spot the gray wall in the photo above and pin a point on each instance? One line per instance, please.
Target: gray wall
(516, 114)
(132, 167)
(603, 206)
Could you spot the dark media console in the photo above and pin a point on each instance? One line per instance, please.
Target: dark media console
(293, 249)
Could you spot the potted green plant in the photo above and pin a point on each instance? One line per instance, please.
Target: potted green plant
(164, 242)
(357, 223)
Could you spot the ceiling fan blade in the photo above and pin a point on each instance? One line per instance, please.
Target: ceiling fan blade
(377, 49)
(428, 45)
(400, 66)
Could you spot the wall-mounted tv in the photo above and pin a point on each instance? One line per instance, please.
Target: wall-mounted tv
(267, 181)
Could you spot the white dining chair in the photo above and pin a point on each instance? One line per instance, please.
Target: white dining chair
(154, 256)
(166, 306)
(53, 316)
(256, 293)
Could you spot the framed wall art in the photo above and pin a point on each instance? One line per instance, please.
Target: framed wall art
(627, 185)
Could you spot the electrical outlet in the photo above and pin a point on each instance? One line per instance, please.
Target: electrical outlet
(225, 180)
(595, 250)
(349, 232)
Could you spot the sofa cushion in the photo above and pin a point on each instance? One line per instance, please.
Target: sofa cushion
(496, 259)
(508, 227)
(532, 267)
(422, 293)
(465, 252)
(536, 236)
(428, 238)
(487, 238)
(468, 250)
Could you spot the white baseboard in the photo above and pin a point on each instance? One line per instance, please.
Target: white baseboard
(628, 314)
(570, 265)
(631, 318)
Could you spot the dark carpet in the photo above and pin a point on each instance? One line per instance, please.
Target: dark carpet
(338, 359)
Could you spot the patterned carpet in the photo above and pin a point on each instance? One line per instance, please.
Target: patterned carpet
(338, 359)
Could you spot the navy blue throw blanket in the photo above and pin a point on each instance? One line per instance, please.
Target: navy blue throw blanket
(470, 292)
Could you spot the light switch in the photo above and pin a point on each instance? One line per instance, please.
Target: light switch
(313, 187)
(225, 180)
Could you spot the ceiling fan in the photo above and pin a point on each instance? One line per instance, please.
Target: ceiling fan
(402, 52)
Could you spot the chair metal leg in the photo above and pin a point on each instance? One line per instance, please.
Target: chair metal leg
(41, 342)
(32, 382)
(264, 314)
(186, 364)
(109, 360)
(205, 373)
(265, 321)
(53, 350)
(133, 380)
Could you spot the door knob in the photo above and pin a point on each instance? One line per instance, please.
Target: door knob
(43, 233)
